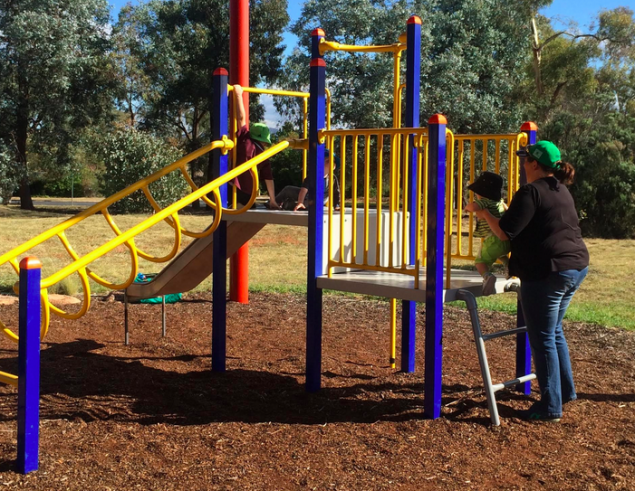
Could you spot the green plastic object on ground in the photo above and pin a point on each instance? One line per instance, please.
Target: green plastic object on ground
(169, 298)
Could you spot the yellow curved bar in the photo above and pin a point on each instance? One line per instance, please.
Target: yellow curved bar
(170, 221)
(252, 199)
(46, 311)
(8, 332)
(155, 206)
(46, 318)
(160, 216)
(326, 46)
(9, 379)
(105, 203)
(134, 258)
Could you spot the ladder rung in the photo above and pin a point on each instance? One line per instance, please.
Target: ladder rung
(519, 380)
(507, 332)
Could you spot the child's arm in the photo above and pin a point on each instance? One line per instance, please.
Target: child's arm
(300, 203)
(473, 206)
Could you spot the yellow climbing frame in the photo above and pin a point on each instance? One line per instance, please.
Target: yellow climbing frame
(80, 264)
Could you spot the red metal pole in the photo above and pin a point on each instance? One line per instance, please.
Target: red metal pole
(239, 74)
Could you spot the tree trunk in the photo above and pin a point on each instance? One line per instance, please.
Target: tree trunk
(26, 202)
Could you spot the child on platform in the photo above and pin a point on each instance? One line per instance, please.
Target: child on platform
(487, 188)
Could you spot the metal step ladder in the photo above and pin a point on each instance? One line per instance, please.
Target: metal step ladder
(480, 338)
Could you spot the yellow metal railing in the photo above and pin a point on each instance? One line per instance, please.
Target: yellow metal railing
(381, 148)
(465, 154)
(79, 264)
(468, 154)
(326, 46)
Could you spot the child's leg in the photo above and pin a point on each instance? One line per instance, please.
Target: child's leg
(482, 268)
(484, 261)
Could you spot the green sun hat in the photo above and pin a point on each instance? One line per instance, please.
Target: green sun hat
(546, 153)
(260, 132)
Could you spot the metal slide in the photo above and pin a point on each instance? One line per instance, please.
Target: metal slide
(193, 265)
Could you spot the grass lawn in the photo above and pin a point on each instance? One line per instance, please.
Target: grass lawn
(278, 261)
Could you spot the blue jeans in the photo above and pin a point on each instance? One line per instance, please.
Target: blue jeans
(544, 305)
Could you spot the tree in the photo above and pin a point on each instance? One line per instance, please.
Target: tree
(473, 55)
(178, 46)
(583, 99)
(130, 155)
(54, 77)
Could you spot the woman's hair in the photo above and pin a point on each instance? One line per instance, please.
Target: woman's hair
(565, 173)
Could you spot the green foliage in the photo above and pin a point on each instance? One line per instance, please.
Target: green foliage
(287, 165)
(472, 58)
(130, 155)
(171, 50)
(54, 75)
(603, 152)
(9, 174)
(581, 92)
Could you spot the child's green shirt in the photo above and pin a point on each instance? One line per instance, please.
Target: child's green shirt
(496, 208)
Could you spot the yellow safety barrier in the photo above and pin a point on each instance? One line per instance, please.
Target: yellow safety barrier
(465, 155)
(326, 46)
(169, 214)
(387, 257)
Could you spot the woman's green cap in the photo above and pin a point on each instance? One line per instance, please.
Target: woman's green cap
(546, 153)
(260, 132)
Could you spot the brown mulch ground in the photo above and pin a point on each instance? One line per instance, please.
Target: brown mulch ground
(152, 415)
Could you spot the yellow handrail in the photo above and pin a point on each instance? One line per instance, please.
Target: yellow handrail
(80, 264)
(351, 48)
(105, 203)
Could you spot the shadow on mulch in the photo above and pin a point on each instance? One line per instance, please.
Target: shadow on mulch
(124, 389)
(93, 386)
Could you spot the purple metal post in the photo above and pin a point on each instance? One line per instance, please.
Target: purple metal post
(315, 174)
(219, 253)
(434, 268)
(413, 85)
(29, 365)
(523, 350)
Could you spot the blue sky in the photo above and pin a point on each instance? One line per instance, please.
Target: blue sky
(562, 12)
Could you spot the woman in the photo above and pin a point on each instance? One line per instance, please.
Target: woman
(551, 260)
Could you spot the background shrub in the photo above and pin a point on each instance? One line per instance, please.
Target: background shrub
(130, 155)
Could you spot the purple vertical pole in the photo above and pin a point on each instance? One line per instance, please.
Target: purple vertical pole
(219, 253)
(29, 365)
(413, 87)
(434, 270)
(523, 350)
(315, 174)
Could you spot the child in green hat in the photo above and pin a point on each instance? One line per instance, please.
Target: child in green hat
(250, 143)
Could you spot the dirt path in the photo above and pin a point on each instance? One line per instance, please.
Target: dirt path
(152, 416)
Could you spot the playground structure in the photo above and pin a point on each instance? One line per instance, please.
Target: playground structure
(407, 232)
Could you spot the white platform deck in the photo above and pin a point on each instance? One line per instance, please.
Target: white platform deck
(389, 285)
(274, 217)
(392, 285)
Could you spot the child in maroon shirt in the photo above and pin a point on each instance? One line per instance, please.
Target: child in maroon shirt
(250, 143)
